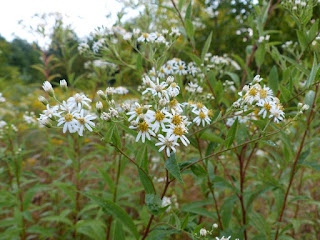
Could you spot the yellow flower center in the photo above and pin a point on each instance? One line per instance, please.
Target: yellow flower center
(82, 121)
(68, 117)
(139, 110)
(202, 115)
(161, 70)
(159, 116)
(176, 120)
(267, 106)
(280, 106)
(173, 103)
(145, 35)
(178, 131)
(199, 105)
(263, 93)
(143, 127)
(168, 67)
(253, 92)
(181, 67)
(173, 85)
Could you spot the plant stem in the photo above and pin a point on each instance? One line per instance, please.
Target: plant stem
(293, 169)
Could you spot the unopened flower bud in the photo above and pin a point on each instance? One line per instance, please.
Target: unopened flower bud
(48, 88)
(43, 100)
(170, 79)
(99, 106)
(46, 122)
(102, 95)
(305, 107)
(105, 116)
(63, 84)
(203, 232)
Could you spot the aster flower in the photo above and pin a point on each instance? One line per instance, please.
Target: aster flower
(157, 119)
(167, 143)
(85, 121)
(158, 89)
(79, 100)
(178, 132)
(277, 114)
(144, 131)
(173, 89)
(69, 122)
(202, 118)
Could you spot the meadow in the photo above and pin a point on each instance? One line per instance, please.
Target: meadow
(194, 120)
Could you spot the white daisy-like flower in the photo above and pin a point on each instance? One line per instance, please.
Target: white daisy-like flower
(157, 119)
(265, 95)
(277, 114)
(50, 112)
(145, 37)
(168, 69)
(167, 143)
(180, 68)
(162, 72)
(202, 118)
(192, 69)
(78, 101)
(173, 89)
(85, 121)
(178, 131)
(265, 108)
(252, 95)
(144, 131)
(158, 89)
(69, 121)
(138, 111)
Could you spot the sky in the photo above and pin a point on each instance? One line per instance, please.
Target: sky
(83, 15)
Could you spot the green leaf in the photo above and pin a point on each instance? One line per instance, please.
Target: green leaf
(189, 28)
(142, 157)
(260, 54)
(118, 231)
(153, 203)
(180, 4)
(206, 47)
(314, 72)
(313, 31)
(117, 212)
(231, 134)
(274, 80)
(303, 39)
(146, 182)
(188, 12)
(173, 168)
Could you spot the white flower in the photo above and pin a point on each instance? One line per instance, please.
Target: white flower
(109, 91)
(266, 107)
(276, 113)
(137, 112)
(166, 201)
(215, 225)
(2, 99)
(175, 31)
(173, 90)
(203, 232)
(180, 68)
(156, 119)
(101, 95)
(70, 122)
(41, 99)
(51, 112)
(178, 131)
(202, 118)
(105, 116)
(167, 143)
(114, 113)
(265, 95)
(144, 131)
(158, 89)
(145, 37)
(223, 238)
(84, 120)
(79, 100)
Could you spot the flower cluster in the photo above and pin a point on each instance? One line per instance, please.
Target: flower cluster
(261, 99)
(73, 115)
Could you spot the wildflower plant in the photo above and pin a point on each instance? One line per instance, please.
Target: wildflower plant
(169, 137)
